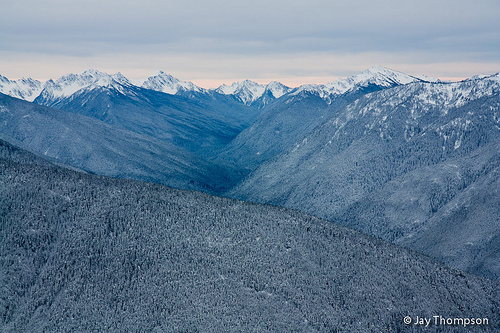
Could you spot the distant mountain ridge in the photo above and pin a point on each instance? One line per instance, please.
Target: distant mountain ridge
(374, 76)
(50, 91)
(249, 92)
(165, 108)
(246, 91)
(70, 84)
(94, 146)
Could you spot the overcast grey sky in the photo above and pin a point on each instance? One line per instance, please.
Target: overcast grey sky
(214, 42)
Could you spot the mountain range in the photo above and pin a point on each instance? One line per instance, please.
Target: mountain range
(49, 92)
(409, 159)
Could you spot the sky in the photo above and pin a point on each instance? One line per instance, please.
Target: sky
(214, 42)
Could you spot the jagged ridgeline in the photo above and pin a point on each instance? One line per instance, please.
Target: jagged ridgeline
(81, 252)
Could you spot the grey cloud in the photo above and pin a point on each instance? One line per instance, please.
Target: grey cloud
(267, 21)
(438, 30)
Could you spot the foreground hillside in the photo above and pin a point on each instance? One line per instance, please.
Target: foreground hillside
(87, 253)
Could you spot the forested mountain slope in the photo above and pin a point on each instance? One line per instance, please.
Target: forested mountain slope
(403, 163)
(81, 252)
(98, 147)
(195, 120)
(294, 115)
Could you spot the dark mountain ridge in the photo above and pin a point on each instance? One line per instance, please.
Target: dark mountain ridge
(195, 121)
(98, 147)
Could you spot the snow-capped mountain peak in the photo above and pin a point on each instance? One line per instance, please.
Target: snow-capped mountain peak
(381, 75)
(163, 82)
(27, 89)
(238, 86)
(494, 77)
(69, 84)
(246, 91)
(119, 77)
(277, 89)
(376, 75)
(94, 77)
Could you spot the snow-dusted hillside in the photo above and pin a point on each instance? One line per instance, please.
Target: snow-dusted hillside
(83, 253)
(390, 162)
(101, 148)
